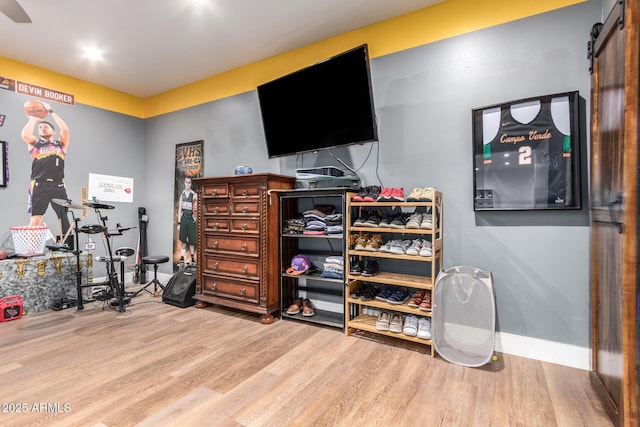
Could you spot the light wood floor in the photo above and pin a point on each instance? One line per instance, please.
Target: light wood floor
(159, 365)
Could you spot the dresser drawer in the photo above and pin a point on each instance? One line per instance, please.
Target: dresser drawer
(244, 267)
(245, 225)
(216, 207)
(246, 189)
(234, 245)
(249, 207)
(215, 190)
(216, 224)
(243, 290)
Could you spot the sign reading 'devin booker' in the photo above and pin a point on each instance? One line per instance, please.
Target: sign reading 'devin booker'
(43, 92)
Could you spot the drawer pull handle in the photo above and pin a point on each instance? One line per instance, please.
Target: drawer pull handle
(244, 247)
(243, 291)
(214, 191)
(216, 209)
(216, 225)
(244, 227)
(245, 269)
(245, 192)
(215, 244)
(215, 266)
(245, 209)
(214, 286)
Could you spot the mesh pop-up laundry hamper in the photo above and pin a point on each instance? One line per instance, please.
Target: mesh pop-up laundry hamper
(464, 317)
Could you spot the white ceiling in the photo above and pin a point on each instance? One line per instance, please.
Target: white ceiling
(151, 46)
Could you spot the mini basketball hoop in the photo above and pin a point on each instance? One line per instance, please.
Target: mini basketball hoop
(29, 240)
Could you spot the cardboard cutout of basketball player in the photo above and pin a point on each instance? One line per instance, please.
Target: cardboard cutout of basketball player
(48, 153)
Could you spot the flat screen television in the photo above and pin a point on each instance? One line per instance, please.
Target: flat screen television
(326, 105)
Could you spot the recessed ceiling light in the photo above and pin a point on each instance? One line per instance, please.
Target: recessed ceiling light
(93, 53)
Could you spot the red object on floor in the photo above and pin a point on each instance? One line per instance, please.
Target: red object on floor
(10, 308)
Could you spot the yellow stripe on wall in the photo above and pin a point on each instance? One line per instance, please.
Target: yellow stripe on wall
(443, 20)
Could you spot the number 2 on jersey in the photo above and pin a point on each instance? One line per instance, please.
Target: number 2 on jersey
(524, 155)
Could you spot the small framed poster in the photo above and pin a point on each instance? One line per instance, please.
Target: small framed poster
(526, 154)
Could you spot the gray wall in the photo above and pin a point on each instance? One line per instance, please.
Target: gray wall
(101, 142)
(424, 97)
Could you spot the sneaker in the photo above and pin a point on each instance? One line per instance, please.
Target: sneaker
(355, 293)
(356, 267)
(399, 221)
(374, 243)
(382, 324)
(360, 221)
(361, 242)
(371, 268)
(397, 195)
(427, 222)
(425, 305)
(373, 193)
(428, 194)
(399, 296)
(414, 220)
(386, 221)
(425, 250)
(386, 247)
(385, 293)
(416, 299)
(369, 293)
(410, 325)
(415, 247)
(385, 195)
(363, 191)
(396, 323)
(401, 247)
(424, 328)
(373, 220)
(414, 195)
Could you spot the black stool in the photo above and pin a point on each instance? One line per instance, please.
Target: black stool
(155, 260)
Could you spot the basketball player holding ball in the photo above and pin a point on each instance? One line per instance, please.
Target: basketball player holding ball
(47, 161)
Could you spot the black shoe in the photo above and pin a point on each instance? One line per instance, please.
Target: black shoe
(356, 268)
(371, 268)
(373, 193)
(360, 196)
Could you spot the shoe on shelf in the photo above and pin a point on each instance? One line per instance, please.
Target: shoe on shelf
(410, 325)
(416, 299)
(370, 293)
(399, 296)
(415, 194)
(425, 305)
(382, 324)
(361, 241)
(386, 220)
(385, 293)
(399, 221)
(385, 195)
(414, 220)
(371, 268)
(307, 309)
(401, 247)
(295, 307)
(373, 220)
(416, 245)
(428, 194)
(397, 195)
(373, 193)
(374, 243)
(386, 247)
(359, 222)
(424, 328)
(356, 267)
(395, 323)
(363, 191)
(427, 222)
(355, 293)
(426, 250)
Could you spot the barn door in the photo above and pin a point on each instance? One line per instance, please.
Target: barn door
(613, 201)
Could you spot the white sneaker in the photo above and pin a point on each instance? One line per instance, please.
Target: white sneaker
(415, 247)
(414, 220)
(424, 328)
(386, 247)
(426, 248)
(427, 222)
(382, 324)
(401, 247)
(410, 325)
(396, 322)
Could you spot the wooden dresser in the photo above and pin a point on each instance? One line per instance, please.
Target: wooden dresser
(238, 245)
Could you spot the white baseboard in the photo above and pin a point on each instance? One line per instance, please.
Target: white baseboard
(546, 351)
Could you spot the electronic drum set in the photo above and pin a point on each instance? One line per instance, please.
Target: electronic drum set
(115, 291)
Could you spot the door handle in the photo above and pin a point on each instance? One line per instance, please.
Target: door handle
(612, 213)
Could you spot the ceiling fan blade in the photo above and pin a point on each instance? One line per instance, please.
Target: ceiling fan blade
(14, 11)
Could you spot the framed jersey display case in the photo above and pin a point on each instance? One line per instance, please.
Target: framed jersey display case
(526, 154)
